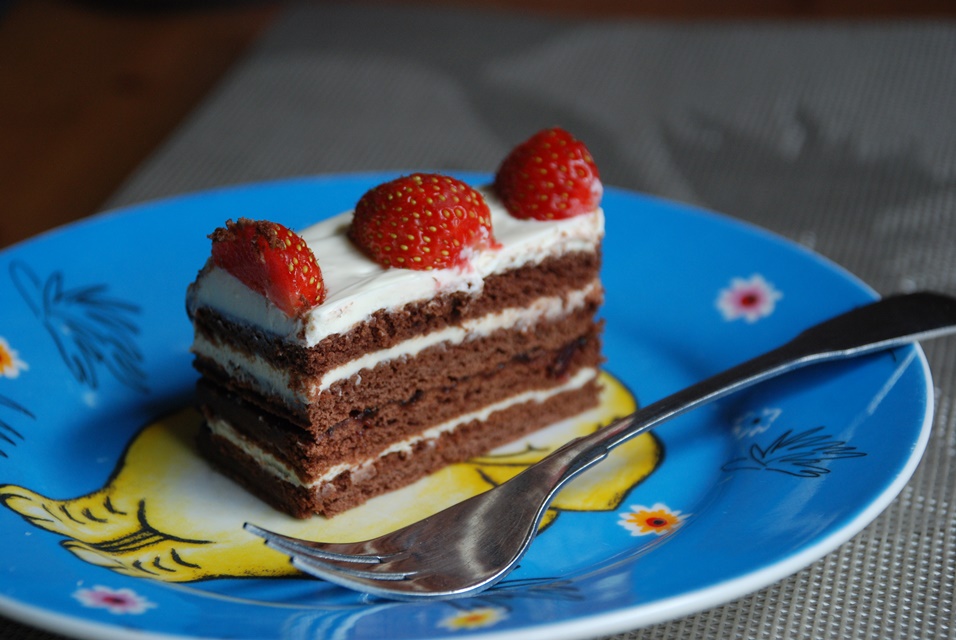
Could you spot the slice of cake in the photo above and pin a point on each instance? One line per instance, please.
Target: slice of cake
(434, 323)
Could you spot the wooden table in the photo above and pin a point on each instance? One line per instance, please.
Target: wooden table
(89, 90)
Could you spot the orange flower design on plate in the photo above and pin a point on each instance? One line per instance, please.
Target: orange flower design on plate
(10, 363)
(473, 618)
(658, 519)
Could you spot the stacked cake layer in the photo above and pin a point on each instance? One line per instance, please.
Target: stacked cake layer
(398, 372)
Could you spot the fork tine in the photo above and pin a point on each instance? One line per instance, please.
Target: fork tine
(308, 548)
(329, 570)
(339, 568)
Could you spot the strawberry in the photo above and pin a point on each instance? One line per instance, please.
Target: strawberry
(549, 176)
(423, 221)
(272, 260)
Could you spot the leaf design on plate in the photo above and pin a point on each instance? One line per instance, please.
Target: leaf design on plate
(8, 434)
(90, 328)
(802, 454)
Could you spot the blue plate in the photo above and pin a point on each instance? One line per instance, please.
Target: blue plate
(107, 512)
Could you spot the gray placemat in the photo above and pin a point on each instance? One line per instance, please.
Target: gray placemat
(840, 136)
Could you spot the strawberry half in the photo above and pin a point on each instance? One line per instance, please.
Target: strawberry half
(549, 176)
(272, 260)
(423, 221)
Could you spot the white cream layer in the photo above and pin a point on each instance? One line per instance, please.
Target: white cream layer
(356, 287)
(278, 468)
(269, 380)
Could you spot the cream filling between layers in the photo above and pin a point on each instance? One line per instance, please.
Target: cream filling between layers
(357, 287)
(278, 468)
(272, 381)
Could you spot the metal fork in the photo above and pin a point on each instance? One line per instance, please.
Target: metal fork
(471, 545)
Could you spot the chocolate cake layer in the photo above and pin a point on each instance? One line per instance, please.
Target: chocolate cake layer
(397, 469)
(513, 289)
(397, 413)
(439, 366)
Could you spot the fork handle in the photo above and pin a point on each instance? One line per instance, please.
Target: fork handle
(884, 324)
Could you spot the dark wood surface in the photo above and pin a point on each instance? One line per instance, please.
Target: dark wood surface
(89, 92)
(90, 89)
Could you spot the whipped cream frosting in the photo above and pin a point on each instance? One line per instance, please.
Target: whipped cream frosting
(356, 286)
(266, 378)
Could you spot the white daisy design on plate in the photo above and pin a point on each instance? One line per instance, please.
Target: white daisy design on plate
(755, 422)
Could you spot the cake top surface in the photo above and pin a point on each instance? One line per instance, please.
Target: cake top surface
(356, 286)
(407, 240)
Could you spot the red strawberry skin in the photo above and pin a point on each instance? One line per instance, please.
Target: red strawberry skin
(272, 260)
(422, 221)
(550, 176)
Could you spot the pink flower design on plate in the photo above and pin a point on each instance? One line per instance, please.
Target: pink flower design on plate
(751, 299)
(117, 601)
